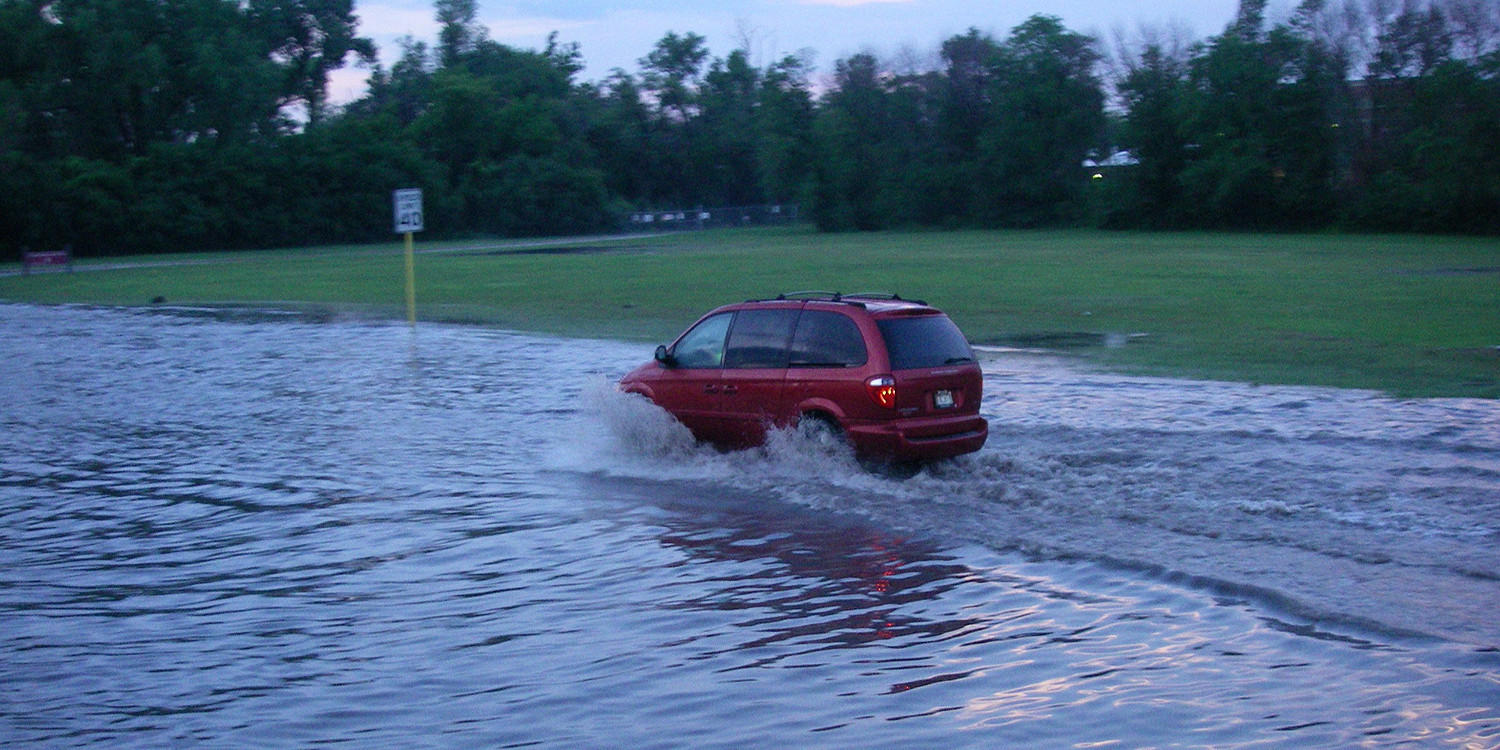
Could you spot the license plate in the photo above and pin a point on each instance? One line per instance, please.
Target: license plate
(943, 399)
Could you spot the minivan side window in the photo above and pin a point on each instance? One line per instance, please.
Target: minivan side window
(759, 338)
(703, 347)
(827, 339)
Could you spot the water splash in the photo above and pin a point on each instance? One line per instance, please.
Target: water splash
(626, 434)
(1219, 483)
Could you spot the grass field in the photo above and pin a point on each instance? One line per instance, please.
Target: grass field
(1415, 316)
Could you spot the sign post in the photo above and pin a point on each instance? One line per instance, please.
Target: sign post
(408, 205)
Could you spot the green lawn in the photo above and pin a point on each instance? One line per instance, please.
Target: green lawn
(1414, 316)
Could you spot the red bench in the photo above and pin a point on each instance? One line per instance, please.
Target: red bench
(49, 259)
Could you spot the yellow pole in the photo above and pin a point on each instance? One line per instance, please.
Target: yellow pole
(411, 283)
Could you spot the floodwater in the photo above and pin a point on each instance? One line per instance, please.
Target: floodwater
(261, 530)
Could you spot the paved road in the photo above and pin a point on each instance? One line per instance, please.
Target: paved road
(241, 256)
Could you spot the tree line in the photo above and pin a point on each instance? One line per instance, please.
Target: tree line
(176, 125)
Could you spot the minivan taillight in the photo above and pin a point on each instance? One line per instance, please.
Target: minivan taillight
(882, 390)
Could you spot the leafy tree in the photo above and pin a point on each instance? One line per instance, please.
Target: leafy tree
(849, 170)
(671, 77)
(1152, 92)
(310, 39)
(1435, 172)
(996, 138)
(459, 33)
(130, 125)
(107, 78)
(784, 129)
(1414, 44)
(1260, 130)
(404, 92)
(1048, 114)
(527, 195)
(972, 63)
(673, 71)
(859, 172)
(725, 153)
(618, 130)
(1474, 26)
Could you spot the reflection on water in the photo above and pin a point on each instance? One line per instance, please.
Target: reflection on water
(290, 532)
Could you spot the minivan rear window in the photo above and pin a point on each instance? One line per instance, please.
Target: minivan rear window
(924, 341)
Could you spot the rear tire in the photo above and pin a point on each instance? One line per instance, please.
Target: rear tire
(821, 430)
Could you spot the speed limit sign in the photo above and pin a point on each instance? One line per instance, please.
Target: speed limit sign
(408, 210)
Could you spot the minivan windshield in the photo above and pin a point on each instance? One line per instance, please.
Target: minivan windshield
(924, 341)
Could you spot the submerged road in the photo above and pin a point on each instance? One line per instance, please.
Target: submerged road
(266, 529)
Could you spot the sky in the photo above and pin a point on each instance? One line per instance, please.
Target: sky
(618, 33)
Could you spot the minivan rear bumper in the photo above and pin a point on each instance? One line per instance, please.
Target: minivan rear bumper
(920, 438)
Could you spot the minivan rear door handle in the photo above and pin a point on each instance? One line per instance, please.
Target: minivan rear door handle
(711, 388)
(730, 390)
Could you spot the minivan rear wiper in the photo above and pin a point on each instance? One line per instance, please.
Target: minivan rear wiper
(958, 360)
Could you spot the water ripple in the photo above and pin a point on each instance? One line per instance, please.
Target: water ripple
(272, 532)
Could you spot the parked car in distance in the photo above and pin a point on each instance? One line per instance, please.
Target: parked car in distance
(893, 377)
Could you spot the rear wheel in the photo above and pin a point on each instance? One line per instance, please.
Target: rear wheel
(820, 430)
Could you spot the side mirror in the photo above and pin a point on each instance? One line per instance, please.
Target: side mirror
(665, 357)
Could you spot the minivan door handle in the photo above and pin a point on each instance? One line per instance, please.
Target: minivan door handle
(730, 390)
(711, 388)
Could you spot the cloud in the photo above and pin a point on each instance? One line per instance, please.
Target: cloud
(620, 38)
(393, 20)
(505, 28)
(347, 84)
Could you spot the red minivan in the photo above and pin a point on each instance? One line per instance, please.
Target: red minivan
(895, 377)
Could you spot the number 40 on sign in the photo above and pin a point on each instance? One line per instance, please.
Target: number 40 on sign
(409, 219)
(408, 210)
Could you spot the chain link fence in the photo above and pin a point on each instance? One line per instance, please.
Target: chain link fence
(711, 218)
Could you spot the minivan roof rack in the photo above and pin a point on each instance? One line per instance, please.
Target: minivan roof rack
(884, 295)
(835, 296)
(851, 299)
